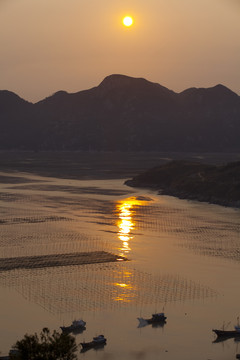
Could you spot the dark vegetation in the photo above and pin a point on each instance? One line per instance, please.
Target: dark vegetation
(47, 346)
(192, 180)
(123, 114)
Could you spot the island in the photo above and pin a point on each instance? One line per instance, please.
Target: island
(216, 184)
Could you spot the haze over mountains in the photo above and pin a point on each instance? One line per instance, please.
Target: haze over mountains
(123, 114)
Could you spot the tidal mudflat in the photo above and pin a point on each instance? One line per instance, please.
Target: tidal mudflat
(184, 257)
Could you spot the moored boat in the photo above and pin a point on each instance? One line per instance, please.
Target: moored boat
(76, 326)
(158, 318)
(96, 341)
(228, 333)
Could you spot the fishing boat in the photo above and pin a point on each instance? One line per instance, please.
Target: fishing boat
(158, 318)
(76, 326)
(228, 333)
(96, 342)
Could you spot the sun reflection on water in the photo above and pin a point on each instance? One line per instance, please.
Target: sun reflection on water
(126, 210)
(124, 291)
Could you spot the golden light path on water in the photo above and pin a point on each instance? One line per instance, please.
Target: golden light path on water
(126, 210)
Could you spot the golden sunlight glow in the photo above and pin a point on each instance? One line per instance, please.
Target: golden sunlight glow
(126, 224)
(127, 21)
(123, 285)
(125, 291)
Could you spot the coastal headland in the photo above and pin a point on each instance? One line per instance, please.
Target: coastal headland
(217, 184)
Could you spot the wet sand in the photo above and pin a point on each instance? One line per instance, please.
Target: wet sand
(33, 262)
(184, 258)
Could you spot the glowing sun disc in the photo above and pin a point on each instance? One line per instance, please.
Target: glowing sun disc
(127, 21)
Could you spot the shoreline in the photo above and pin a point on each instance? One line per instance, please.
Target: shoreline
(201, 198)
(184, 195)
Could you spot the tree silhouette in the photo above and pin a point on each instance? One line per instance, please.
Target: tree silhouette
(47, 346)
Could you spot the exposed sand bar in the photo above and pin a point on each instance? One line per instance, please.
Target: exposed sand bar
(32, 262)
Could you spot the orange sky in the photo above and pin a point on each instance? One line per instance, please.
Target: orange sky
(51, 45)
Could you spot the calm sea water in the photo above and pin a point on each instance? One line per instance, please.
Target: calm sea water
(184, 258)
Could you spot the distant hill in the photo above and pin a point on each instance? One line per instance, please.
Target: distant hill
(123, 114)
(193, 180)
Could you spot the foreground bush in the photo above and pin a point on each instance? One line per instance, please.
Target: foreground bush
(47, 346)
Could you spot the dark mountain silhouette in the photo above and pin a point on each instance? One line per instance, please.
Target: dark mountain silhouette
(15, 121)
(123, 114)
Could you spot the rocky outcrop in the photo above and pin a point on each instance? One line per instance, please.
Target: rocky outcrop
(196, 181)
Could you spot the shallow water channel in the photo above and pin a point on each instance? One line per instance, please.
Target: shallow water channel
(184, 259)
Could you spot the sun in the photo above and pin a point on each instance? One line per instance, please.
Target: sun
(127, 21)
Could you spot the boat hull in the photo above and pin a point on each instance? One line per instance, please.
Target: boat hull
(73, 329)
(227, 333)
(92, 344)
(156, 321)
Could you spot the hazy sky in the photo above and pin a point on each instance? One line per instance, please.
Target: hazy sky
(51, 45)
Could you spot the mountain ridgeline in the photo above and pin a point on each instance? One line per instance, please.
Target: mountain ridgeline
(123, 114)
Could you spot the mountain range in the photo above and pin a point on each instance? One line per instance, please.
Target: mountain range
(123, 114)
